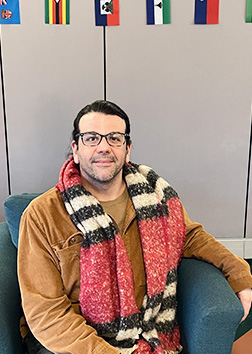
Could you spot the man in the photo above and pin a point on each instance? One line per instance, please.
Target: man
(98, 253)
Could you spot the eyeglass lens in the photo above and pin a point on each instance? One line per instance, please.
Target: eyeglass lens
(94, 139)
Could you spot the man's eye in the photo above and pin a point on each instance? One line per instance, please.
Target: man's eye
(91, 138)
(115, 138)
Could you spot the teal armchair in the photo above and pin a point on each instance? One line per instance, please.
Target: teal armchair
(208, 310)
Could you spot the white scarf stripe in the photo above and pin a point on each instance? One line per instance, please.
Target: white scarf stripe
(135, 179)
(69, 208)
(90, 224)
(150, 334)
(144, 170)
(160, 186)
(170, 290)
(151, 313)
(87, 200)
(95, 223)
(145, 200)
(128, 334)
(167, 315)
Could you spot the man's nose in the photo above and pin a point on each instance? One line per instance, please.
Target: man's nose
(103, 145)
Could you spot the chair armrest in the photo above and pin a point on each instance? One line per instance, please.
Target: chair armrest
(209, 312)
(10, 303)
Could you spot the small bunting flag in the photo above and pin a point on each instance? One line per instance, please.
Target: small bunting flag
(9, 10)
(249, 11)
(158, 12)
(107, 13)
(57, 12)
(206, 12)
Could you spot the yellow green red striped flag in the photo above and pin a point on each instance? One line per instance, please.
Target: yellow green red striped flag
(57, 12)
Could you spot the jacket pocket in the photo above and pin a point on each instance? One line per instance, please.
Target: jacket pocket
(69, 261)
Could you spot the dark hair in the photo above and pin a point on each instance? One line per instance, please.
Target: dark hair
(105, 107)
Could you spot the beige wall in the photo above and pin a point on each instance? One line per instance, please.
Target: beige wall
(187, 89)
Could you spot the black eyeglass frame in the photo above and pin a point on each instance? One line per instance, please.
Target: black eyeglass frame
(126, 137)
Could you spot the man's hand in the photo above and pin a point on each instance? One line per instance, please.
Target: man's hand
(245, 297)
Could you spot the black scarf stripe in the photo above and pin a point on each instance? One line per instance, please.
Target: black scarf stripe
(166, 327)
(149, 212)
(130, 169)
(89, 212)
(142, 188)
(138, 189)
(112, 327)
(152, 178)
(171, 277)
(169, 302)
(170, 193)
(74, 191)
(124, 344)
(162, 327)
(99, 235)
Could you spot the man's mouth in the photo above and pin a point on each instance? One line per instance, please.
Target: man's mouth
(103, 161)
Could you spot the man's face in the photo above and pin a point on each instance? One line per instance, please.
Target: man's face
(102, 163)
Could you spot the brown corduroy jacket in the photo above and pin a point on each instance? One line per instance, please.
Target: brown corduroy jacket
(49, 275)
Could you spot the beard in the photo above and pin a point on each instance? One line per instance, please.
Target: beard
(102, 174)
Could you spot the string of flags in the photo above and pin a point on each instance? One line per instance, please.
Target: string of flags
(107, 12)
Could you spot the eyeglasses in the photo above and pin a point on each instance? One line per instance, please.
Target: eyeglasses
(115, 139)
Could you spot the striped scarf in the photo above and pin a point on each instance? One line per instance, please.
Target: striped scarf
(106, 289)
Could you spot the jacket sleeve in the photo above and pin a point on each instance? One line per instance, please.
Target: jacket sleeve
(201, 245)
(49, 312)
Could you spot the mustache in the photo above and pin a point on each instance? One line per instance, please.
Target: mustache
(103, 157)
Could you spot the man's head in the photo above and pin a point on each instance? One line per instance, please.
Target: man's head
(106, 107)
(101, 143)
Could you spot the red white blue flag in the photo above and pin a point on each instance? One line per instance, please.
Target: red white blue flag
(107, 13)
(9, 12)
(206, 12)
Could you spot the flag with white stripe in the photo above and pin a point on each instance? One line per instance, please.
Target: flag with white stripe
(158, 12)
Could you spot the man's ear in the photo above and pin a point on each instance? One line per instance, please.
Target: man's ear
(128, 148)
(75, 152)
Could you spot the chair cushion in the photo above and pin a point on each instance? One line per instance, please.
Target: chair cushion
(14, 206)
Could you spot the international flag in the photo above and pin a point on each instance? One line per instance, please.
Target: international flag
(158, 12)
(107, 13)
(57, 12)
(9, 10)
(206, 12)
(249, 11)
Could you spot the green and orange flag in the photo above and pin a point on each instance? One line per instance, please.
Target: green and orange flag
(57, 12)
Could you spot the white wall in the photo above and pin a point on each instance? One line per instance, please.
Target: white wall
(189, 87)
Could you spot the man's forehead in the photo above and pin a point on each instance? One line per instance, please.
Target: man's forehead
(100, 119)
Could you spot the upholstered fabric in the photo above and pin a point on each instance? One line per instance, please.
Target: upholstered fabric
(14, 206)
(205, 307)
(10, 303)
